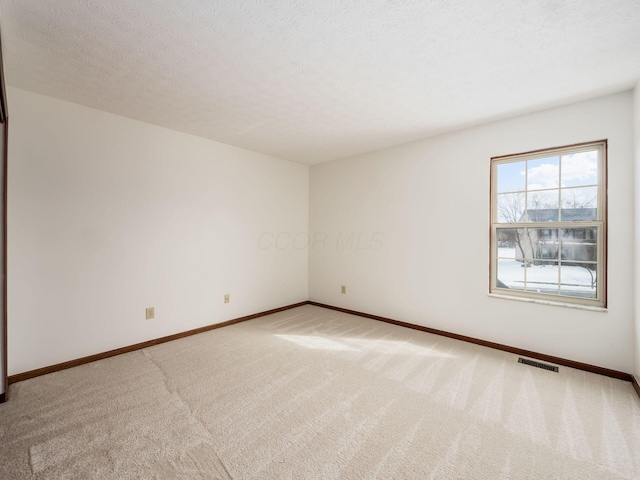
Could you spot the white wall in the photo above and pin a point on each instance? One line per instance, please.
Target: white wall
(108, 216)
(636, 97)
(422, 215)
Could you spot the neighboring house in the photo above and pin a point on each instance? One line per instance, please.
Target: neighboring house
(542, 245)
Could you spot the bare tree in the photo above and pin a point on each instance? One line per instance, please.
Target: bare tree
(511, 209)
(571, 199)
(540, 201)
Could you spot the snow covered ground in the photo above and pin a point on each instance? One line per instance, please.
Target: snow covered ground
(574, 281)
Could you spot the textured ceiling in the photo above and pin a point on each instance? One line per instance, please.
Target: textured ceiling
(315, 80)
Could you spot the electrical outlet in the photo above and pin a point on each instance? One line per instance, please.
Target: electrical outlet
(227, 298)
(150, 313)
(343, 289)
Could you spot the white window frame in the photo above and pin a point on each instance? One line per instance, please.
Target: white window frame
(600, 223)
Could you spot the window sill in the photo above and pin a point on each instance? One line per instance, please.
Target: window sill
(548, 302)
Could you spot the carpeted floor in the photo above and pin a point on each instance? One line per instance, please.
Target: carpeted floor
(310, 393)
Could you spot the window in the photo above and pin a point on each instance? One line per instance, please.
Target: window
(548, 224)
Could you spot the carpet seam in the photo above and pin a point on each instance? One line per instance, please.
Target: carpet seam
(149, 357)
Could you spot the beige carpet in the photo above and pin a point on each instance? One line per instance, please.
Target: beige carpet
(312, 393)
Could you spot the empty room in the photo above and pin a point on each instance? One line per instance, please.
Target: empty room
(304, 239)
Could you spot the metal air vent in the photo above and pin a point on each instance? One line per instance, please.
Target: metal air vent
(533, 363)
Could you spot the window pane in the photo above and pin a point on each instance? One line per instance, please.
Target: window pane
(579, 204)
(511, 243)
(544, 243)
(510, 207)
(506, 242)
(579, 244)
(542, 277)
(511, 177)
(579, 280)
(543, 206)
(580, 169)
(510, 274)
(543, 173)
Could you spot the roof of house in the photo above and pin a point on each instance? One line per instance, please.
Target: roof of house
(567, 214)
